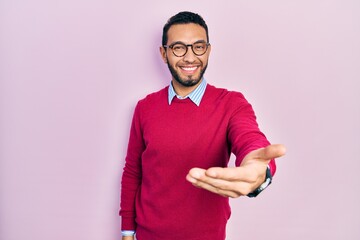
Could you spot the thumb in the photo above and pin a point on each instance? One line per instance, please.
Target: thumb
(267, 153)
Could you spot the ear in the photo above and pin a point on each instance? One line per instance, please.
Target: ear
(163, 54)
(209, 49)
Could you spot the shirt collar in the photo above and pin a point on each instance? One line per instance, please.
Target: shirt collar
(195, 96)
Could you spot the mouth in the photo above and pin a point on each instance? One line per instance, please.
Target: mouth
(189, 69)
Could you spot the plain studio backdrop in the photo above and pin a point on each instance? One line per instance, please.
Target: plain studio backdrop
(71, 73)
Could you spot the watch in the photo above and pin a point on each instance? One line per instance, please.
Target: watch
(265, 184)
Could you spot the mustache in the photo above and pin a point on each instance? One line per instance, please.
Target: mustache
(186, 82)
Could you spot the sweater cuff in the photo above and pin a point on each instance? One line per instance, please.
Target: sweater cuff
(128, 223)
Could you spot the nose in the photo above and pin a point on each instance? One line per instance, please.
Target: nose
(189, 56)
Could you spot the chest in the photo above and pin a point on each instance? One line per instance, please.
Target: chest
(186, 131)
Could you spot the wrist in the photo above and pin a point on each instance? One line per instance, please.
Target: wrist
(127, 238)
(265, 184)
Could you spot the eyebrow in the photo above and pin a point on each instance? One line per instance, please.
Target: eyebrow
(198, 41)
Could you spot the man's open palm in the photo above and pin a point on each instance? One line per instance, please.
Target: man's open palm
(237, 181)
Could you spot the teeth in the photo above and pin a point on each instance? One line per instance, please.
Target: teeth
(189, 68)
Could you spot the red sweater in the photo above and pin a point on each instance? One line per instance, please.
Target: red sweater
(166, 141)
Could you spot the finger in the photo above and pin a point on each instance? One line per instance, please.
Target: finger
(219, 183)
(211, 188)
(224, 173)
(196, 173)
(267, 153)
(230, 174)
(250, 172)
(211, 175)
(224, 188)
(198, 177)
(221, 192)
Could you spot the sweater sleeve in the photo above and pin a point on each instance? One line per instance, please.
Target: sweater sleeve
(243, 131)
(131, 178)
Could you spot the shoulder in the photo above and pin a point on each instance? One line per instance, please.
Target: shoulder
(225, 95)
(154, 97)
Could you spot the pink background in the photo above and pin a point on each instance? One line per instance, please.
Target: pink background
(72, 71)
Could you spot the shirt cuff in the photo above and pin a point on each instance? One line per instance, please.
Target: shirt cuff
(127, 233)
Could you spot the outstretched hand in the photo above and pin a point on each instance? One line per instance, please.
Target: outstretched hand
(237, 181)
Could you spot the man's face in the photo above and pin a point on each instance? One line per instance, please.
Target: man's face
(187, 70)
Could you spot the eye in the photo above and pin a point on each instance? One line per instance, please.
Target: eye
(178, 47)
(200, 46)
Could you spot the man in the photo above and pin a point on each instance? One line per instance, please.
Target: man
(176, 183)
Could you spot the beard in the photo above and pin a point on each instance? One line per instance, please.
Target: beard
(187, 81)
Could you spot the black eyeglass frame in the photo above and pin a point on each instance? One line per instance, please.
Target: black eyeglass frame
(187, 48)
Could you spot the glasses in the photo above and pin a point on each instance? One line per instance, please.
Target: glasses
(180, 49)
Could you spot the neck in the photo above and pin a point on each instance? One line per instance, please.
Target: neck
(183, 90)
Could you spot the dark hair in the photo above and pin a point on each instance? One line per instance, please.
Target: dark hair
(183, 18)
